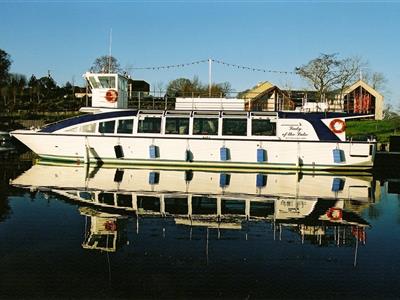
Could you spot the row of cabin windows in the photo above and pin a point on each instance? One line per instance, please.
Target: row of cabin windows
(201, 126)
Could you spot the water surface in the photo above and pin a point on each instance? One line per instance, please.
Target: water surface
(72, 231)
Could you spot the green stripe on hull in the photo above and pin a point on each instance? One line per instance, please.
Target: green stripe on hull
(208, 165)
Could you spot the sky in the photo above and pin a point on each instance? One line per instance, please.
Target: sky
(66, 37)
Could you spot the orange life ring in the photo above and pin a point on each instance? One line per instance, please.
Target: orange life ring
(337, 125)
(111, 96)
(110, 226)
(334, 214)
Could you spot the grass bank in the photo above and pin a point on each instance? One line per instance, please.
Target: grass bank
(382, 129)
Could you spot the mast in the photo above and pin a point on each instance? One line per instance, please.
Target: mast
(209, 77)
(109, 52)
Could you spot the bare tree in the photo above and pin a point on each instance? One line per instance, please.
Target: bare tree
(183, 87)
(159, 85)
(327, 73)
(348, 69)
(321, 72)
(377, 80)
(106, 64)
(17, 83)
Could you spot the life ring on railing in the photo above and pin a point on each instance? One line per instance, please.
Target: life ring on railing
(111, 96)
(337, 125)
(334, 214)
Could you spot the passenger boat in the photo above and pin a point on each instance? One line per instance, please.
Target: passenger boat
(216, 136)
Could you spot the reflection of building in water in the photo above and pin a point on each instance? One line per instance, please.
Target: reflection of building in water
(321, 208)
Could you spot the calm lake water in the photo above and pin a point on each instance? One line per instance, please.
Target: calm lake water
(69, 231)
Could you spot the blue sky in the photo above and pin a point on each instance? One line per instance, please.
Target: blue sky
(66, 37)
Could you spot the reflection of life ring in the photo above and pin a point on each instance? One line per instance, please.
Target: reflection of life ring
(334, 214)
(337, 125)
(110, 226)
(112, 96)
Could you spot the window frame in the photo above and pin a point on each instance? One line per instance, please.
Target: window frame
(177, 125)
(245, 121)
(196, 118)
(126, 119)
(106, 121)
(272, 122)
(143, 119)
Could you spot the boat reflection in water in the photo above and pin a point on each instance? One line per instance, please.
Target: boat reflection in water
(320, 208)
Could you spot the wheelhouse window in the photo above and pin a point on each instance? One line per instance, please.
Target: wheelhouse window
(177, 126)
(150, 125)
(107, 127)
(205, 126)
(234, 126)
(263, 127)
(107, 82)
(93, 83)
(125, 126)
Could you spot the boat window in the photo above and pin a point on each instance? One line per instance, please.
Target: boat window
(125, 126)
(234, 207)
(86, 196)
(177, 126)
(234, 126)
(263, 127)
(150, 125)
(72, 129)
(124, 200)
(205, 126)
(107, 82)
(92, 81)
(107, 127)
(148, 203)
(91, 127)
(106, 198)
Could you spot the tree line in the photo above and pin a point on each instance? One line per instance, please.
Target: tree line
(326, 74)
(42, 94)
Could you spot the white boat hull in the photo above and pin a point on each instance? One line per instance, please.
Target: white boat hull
(204, 152)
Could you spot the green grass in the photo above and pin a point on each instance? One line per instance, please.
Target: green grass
(382, 130)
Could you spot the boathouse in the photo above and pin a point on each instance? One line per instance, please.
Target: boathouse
(360, 97)
(267, 97)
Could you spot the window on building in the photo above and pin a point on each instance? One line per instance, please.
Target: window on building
(234, 126)
(150, 125)
(177, 126)
(205, 126)
(263, 127)
(107, 127)
(125, 126)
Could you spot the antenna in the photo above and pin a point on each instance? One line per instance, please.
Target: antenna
(109, 52)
